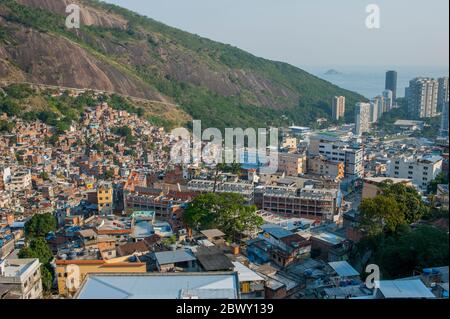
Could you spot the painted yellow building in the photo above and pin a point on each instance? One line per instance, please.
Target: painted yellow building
(290, 143)
(71, 273)
(105, 199)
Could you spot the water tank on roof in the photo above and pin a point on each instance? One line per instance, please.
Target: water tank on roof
(435, 271)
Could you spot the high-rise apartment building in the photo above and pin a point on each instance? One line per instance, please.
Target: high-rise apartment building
(442, 93)
(422, 97)
(362, 116)
(338, 107)
(388, 97)
(336, 150)
(391, 84)
(380, 104)
(444, 121)
(374, 111)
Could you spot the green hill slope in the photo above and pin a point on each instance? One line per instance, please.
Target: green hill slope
(120, 51)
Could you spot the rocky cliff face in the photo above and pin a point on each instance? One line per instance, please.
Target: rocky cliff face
(117, 50)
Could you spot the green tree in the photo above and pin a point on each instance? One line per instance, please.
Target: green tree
(37, 248)
(225, 211)
(412, 250)
(441, 178)
(40, 225)
(410, 201)
(6, 126)
(44, 176)
(382, 213)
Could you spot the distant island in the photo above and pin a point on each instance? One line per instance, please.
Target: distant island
(332, 72)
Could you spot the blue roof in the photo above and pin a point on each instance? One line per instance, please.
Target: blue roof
(276, 231)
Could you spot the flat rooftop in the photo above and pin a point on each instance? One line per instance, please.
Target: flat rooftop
(17, 267)
(160, 286)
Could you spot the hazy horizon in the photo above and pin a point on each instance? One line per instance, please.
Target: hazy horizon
(319, 33)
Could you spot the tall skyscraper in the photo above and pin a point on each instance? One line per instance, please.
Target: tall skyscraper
(379, 102)
(422, 97)
(374, 111)
(338, 107)
(444, 121)
(391, 84)
(388, 96)
(362, 116)
(442, 93)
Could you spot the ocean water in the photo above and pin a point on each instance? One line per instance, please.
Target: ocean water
(370, 81)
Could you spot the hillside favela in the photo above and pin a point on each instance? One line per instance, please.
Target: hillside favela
(141, 161)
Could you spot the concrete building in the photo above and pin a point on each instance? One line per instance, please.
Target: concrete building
(307, 202)
(105, 199)
(338, 107)
(5, 176)
(244, 189)
(380, 105)
(71, 273)
(292, 164)
(391, 83)
(334, 149)
(443, 93)
(388, 100)
(21, 278)
(374, 116)
(362, 117)
(421, 170)
(20, 181)
(289, 143)
(320, 165)
(444, 121)
(422, 97)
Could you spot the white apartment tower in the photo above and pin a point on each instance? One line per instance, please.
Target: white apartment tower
(374, 111)
(388, 100)
(422, 97)
(338, 107)
(362, 116)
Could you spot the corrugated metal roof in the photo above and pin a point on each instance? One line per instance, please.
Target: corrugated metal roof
(246, 274)
(413, 288)
(343, 269)
(176, 256)
(160, 286)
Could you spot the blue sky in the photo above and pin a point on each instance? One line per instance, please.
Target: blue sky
(315, 32)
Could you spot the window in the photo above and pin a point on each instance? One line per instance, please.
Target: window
(396, 167)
